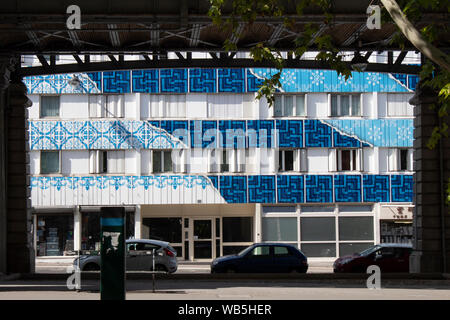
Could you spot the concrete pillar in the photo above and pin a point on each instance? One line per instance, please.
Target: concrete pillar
(77, 227)
(257, 223)
(432, 172)
(137, 222)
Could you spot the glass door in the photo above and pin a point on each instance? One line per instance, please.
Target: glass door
(203, 238)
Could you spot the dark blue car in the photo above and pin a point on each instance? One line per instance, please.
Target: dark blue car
(263, 258)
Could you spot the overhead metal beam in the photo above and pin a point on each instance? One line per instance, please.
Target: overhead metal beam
(203, 63)
(317, 34)
(355, 35)
(400, 57)
(114, 35)
(42, 60)
(32, 35)
(74, 38)
(236, 35)
(274, 37)
(154, 35)
(195, 35)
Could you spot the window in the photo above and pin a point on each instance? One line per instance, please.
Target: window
(239, 229)
(162, 161)
(279, 229)
(400, 159)
(164, 229)
(106, 106)
(345, 105)
(54, 235)
(231, 106)
(224, 164)
(49, 106)
(292, 160)
(398, 105)
(318, 229)
(49, 162)
(345, 160)
(289, 106)
(363, 231)
(226, 160)
(261, 251)
(101, 161)
(164, 106)
(281, 251)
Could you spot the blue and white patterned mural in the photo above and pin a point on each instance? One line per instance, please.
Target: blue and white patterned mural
(137, 134)
(217, 80)
(249, 188)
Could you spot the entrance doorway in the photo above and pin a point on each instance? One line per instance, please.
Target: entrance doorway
(203, 239)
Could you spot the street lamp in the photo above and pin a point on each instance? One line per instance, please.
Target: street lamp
(74, 82)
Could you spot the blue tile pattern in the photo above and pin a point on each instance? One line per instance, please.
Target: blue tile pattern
(290, 189)
(402, 188)
(343, 141)
(347, 188)
(173, 80)
(202, 80)
(253, 82)
(214, 181)
(176, 128)
(290, 133)
(376, 188)
(317, 134)
(96, 77)
(232, 134)
(319, 188)
(145, 81)
(203, 134)
(233, 188)
(260, 133)
(261, 189)
(231, 80)
(116, 82)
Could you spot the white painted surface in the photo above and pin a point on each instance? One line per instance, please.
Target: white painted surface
(318, 160)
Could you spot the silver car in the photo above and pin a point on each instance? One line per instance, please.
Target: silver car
(139, 257)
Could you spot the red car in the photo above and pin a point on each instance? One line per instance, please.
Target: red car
(390, 257)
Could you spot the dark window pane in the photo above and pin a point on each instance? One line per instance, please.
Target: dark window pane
(217, 248)
(317, 229)
(202, 250)
(239, 229)
(157, 163)
(217, 227)
(227, 250)
(288, 160)
(281, 251)
(90, 234)
(186, 250)
(351, 248)
(403, 159)
(49, 106)
(167, 161)
(54, 235)
(319, 249)
(49, 162)
(345, 159)
(345, 105)
(356, 228)
(279, 229)
(186, 222)
(261, 251)
(165, 229)
(202, 229)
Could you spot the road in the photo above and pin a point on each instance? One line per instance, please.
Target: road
(225, 290)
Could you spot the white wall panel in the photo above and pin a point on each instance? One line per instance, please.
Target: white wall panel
(74, 106)
(75, 162)
(35, 162)
(196, 106)
(33, 111)
(318, 160)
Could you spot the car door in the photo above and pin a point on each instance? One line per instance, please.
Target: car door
(385, 259)
(402, 259)
(283, 260)
(132, 257)
(257, 260)
(145, 254)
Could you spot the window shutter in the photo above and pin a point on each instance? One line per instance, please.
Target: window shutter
(303, 160)
(332, 157)
(410, 160)
(297, 154)
(92, 162)
(359, 160)
(393, 159)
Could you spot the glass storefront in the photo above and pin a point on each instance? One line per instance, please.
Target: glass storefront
(54, 235)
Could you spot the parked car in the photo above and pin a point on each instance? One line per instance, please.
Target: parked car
(263, 257)
(390, 257)
(139, 257)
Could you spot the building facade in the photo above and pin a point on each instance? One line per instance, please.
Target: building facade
(198, 161)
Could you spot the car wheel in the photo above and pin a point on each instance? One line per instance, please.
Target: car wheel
(160, 267)
(91, 267)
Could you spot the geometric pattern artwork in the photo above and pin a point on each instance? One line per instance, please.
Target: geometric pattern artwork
(347, 188)
(253, 82)
(55, 135)
(173, 80)
(376, 188)
(261, 189)
(116, 81)
(145, 81)
(259, 133)
(228, 80)
(377, 132)
(232, 134)
(231, 80)
(214, 181)
(203, 134)
(233, 188)
(101, 134)
(402, 188)
(290, 133)
(408, 80)
(303, 80)
(290, 189)
(202, 80)
(319, 188)
(342, 141)
(317, 134)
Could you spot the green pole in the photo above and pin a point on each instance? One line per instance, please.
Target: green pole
(112, 260)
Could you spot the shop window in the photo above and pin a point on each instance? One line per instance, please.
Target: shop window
(318, 229)
(54, 235)
(237, 229)
(164, 229)
(319, 249)
(162, 161)
(367, 209)
(49, 106)
(400, 159)
(396, 232)
(289, 106)
(279, 229)
(50, 162)
(106, 161)
(356, 228)
(345, 105)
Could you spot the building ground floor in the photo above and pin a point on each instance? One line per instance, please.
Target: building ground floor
(202, 232)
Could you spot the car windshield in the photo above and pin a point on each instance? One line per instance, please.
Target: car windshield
(243, 252)
(369, 251)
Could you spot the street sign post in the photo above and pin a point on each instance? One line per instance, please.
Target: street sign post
(112, 263)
